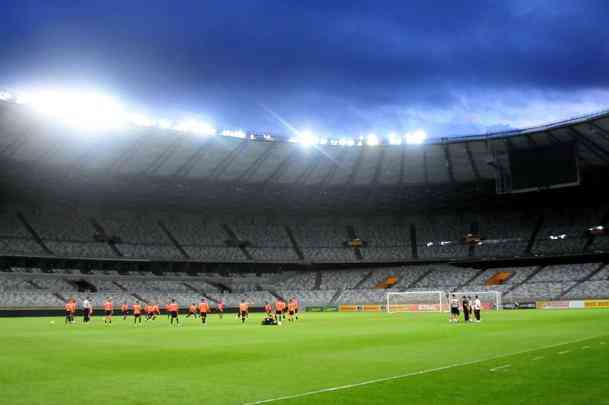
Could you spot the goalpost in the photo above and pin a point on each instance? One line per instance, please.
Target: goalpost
(489, 300)
(416, 301)
(437, 301)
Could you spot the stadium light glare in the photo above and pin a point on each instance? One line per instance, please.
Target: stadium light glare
(416, 137)
(394, 139)
(306, 138)
(164, 124)
(141, 120)
(5, 96)
(234, 133)
(372, 140)
(195, 127)
(82, 110)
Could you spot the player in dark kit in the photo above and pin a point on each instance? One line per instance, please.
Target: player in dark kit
(466, 308)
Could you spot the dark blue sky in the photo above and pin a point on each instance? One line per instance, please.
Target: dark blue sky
(341, 67)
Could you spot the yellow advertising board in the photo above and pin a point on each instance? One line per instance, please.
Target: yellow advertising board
(596, 303)
(348, 308)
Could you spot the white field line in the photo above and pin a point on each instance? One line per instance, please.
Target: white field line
(500, 367)
(564, 352)
(538, 358)
(414, 373)
(585, 347)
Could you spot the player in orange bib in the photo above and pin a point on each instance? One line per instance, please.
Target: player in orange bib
(108, 310)
(243, 310)
(150, 312)
(156, 311)
(125, 310)
(291, 310)
(70, 308)
(137, 313)
(297, 304)
(203, 310)
(279, 306)
(192, 311)
(173, 312)
(268, 309)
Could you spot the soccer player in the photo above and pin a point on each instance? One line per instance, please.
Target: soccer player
(149, 311)
(87, 310)
(156, 311)
(477, 306)
(167, 311)
(108, 309)
(291, 310)
(297, 306)
(125, 310)
(268, 310)
(173, 312)
(70, 308)
(203, 310)
(465, 306)
(243, 310)
(454, 309)
(137, 313)
(279, 304)
(192, 311)
(221, 308)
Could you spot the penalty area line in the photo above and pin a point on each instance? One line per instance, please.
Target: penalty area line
(416, 373)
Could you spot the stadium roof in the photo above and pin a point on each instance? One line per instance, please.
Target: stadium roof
(177, 163)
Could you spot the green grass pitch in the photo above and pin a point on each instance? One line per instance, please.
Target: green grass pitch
(512, 357)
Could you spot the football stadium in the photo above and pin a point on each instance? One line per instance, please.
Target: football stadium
(150, 259)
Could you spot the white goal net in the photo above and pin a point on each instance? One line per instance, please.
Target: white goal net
(489, 300)
(416, 301)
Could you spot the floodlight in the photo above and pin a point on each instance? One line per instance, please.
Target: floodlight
(234, 134)
(196, 127)
(394, 139)
(372, 140)
(416, 137)
(164, 124)
(83, 110)
(141, 120)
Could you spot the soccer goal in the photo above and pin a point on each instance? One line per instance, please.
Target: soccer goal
(416, 301)
(489, 300)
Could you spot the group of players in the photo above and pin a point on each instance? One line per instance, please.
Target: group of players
(470, 307)
(151, 311)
